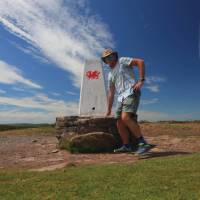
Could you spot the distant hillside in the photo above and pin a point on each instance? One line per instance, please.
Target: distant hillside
(5, 127)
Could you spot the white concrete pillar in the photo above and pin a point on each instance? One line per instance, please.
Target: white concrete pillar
(93, 98)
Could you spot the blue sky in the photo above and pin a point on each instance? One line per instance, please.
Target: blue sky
(43, 45)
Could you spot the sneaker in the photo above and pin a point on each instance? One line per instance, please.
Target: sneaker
(123, 149)
(144, 148)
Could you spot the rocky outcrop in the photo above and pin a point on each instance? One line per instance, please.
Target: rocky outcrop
(81, 125)
(93, 142)
(68, 128)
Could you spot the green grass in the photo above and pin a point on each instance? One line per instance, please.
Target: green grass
(172, 178)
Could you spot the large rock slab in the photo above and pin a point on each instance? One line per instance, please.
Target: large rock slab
(71, 126)
(95, 142)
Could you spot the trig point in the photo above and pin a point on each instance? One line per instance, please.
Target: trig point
(92, 110)
(93, 98)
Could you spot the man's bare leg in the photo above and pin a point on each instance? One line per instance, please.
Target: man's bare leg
(123, 131)
(131, 124)
(135, 130)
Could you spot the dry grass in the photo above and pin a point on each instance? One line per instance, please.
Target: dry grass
(178, 129)
(43, 130)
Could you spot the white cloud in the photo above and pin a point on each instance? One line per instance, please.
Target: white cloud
(153, 83)
(64, 31)
(18, 89)
(2, 91)
(153, 88)
(71, 93)
(55, 94)
(154, 79)
(20, 116)
(43, 109)
(149, 101)
(30, 50)
(38, 101)
(12, 75)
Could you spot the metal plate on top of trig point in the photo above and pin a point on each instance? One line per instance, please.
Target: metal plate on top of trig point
(93, 99)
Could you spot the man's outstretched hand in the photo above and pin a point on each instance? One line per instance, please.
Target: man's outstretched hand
(138, 85)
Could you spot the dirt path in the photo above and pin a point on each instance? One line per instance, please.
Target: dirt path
(41, 153)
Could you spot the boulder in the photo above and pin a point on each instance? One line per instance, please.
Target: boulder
(92, 143)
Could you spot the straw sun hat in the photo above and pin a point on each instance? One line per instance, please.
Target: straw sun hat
(108, 52)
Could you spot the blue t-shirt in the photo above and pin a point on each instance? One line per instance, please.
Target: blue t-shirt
(122, 77)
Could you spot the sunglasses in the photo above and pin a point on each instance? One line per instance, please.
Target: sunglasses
(109, 58)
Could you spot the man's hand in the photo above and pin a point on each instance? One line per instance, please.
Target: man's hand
(108, 113)
(138, 85)
(111, 93)
(141, 66)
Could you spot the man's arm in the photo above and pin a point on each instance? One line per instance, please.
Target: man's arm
(111, 93)
(141, 67)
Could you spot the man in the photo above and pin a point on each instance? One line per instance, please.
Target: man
(122, 80)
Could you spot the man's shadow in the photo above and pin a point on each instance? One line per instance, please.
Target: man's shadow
(163, 154)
